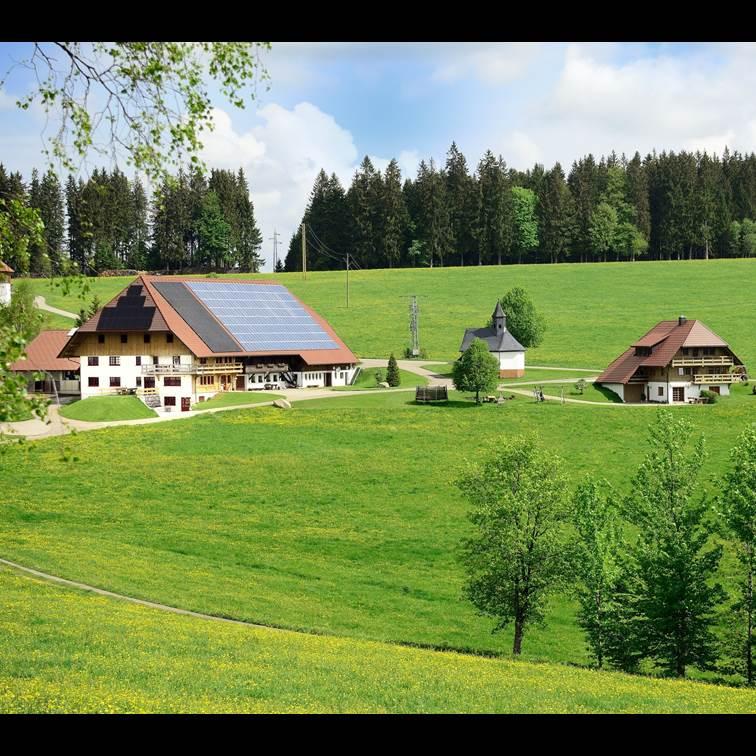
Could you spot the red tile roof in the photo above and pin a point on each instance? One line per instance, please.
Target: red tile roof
(664, 340)
(42, 354)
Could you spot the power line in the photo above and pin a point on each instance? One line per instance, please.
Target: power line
(274, 239)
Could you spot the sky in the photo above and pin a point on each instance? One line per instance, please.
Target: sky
(330, 104)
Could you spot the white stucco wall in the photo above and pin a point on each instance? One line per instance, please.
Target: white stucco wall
(5, 292)
(511, 360)
(618, 389)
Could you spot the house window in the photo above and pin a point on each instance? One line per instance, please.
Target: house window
(708, 351)
(678, 394)
(93, 361)
(169, 401)
(154, 359)
(685, 351)
(115, 380)
(147, 338)
(138, 360)
(139, 380)
(171, 381)
(100, 338)
(115, 361)
(124, 338)
(93, 381)
(661, 391)
(176, 359)
(206, 380)
(169, 338)
(203, 360)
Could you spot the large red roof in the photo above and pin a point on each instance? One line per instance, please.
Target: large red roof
(141, 307)
(664, 340)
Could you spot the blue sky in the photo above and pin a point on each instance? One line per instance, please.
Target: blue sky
(331, 103)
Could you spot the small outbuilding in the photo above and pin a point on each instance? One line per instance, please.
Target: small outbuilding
(505, 347)
(42, 357)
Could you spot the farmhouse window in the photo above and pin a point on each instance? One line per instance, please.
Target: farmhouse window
(171, 381)
(661, 390)
(115, 360)
(138, 360)
(139, 380)
(203, 360)
(154, 359)
(115, 380)
(169, 338)
(93, 361)
(100, 338)
(678, 394)
(124, 338)
(94, 381)
(147, 338)
(169, 401)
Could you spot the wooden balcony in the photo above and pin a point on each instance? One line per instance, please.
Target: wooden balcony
(717, 378)
(702, 361)
(225, 368)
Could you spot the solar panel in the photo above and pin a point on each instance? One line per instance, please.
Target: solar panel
(196, 316)
(262, 317)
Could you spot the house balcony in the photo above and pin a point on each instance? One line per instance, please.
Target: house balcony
(715, 378)
(224, 368)
(702, 361)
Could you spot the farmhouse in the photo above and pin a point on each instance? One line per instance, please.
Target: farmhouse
(59, 374)
(175, 341)
(507, 350)
(672, 364)
(5, 283)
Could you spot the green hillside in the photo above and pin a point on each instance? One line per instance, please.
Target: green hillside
(593, 310)
(62, 650)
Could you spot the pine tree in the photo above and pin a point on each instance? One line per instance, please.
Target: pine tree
(462, 198)
(249, 238)
(495, 210)
(555, 215)
(393, 215)
(393, 378)
(52, 213)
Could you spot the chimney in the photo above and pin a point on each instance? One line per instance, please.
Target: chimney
(682, 320)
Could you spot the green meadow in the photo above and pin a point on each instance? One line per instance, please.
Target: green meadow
(101, 408)
(593, 311)
(338, 516)
(63, 650)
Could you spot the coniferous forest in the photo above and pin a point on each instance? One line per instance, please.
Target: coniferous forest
(667, 206)
(192, 222)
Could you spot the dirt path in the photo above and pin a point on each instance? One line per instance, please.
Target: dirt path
(142, 602)
(42, 305)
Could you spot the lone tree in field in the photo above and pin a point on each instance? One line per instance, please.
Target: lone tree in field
(596, 522)
(476, 370)
(520, 552)
(672, 562)
(737, 503)
(392, 372)
(580, 386)
(523, 320)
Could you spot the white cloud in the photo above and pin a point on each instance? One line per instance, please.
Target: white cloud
(498, 63)
(408, 161)
(6, 101)
(281, 158)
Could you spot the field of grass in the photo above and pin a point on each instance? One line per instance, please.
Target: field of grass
(232, 398)
(366, 380)
(62, 650)
(359, 537)
(100, 408)
(593, 311)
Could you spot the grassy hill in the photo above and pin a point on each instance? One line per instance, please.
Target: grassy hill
(63, 650)
(337, 516)
(593, 310)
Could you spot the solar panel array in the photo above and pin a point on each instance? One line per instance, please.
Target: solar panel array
(262, 317)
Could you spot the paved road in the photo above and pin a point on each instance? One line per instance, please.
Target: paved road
(42, 305)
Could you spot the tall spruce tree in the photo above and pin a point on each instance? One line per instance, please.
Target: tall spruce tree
(461, 193)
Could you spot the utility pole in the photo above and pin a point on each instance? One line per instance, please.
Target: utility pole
(274, 239)
(304, 252)
(414, 325)
(347, 280)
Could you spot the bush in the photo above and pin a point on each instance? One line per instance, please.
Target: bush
(710, 396)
